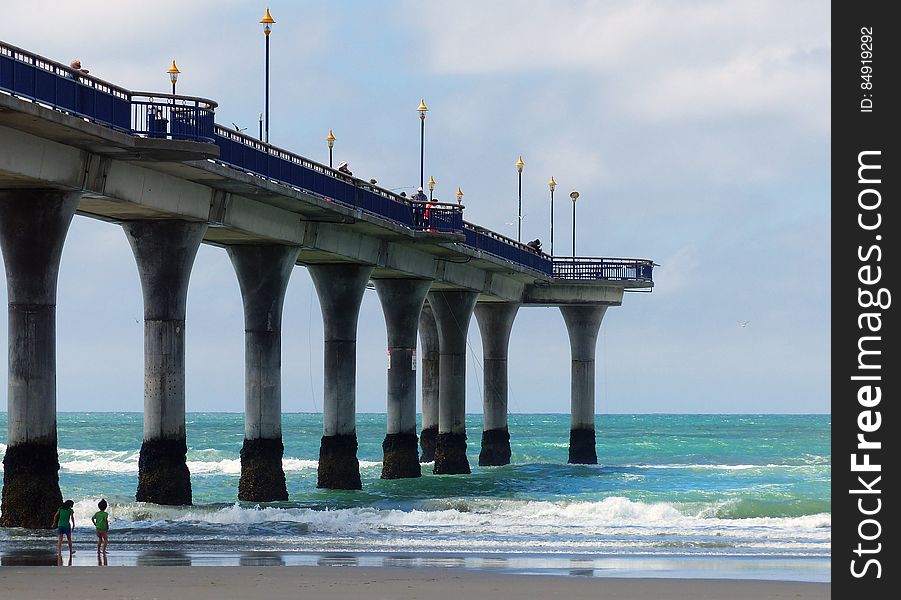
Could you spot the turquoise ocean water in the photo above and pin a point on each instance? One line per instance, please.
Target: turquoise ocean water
(669, 487)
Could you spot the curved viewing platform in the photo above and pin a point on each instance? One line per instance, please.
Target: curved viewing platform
(164, 116)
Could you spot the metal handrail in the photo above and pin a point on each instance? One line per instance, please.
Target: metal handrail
(170, 116)
(580, 268)
(146, 114)
(179, 99)
(61, 70)
(306, 162)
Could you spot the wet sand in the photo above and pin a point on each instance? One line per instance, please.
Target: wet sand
(333, 583)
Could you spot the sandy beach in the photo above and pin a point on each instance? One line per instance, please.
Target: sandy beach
(215, 583)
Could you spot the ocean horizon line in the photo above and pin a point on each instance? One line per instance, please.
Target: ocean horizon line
(309, 412)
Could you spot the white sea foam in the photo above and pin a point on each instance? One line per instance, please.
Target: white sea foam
(126, 462)
(507, 517)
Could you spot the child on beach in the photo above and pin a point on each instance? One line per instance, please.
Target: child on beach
(61, 520)
(101, 522)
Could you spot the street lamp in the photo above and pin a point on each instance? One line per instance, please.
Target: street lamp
(431, 187)
(552, 185)
(331, 144)
(459, 195)
(575, 196)
(173, 75)
(267, 22)
(519, 166)
(423, 109)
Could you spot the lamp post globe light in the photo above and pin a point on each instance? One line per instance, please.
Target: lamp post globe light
(267, 22)
(459, 195)
(330, 140)
(423, 109)
(173, 75)
(519, 166)
(552, 185)
(575, 196)
(431, 187)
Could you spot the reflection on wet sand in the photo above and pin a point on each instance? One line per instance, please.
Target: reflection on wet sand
(404, 561)
(338, 560)
(28, 557)
(261, 559)
(163, 558)
(581, 567)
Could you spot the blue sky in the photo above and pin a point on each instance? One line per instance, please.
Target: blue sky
(697, 133)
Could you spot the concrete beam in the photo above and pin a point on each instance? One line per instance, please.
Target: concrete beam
(340, 289)
(401, 301)
(263, 273)
(428, 337)
(453, 311)
(562, 293)
(33, 227)
(583, 324)
(164, 252)
(495, 321)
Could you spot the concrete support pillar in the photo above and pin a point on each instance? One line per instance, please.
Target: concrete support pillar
(428, 338)
(33, 227)
(263, 273)
(452, 310)
(583, 324)
(402, 301)
(495, 321)
(164, 252)
(340, 289)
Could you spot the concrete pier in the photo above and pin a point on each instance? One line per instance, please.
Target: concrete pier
(453, 311)
(33, 227)
(428, 338)
(340, 289)
(164, 252)
(402, 301)
(495, 321)
(263, 273)
(583, 324)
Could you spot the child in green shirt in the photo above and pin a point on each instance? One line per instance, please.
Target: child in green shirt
(64, 521)
(101, 522)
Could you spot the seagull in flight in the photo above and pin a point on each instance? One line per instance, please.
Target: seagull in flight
(512, 223)
(238, 129)
(744, 323)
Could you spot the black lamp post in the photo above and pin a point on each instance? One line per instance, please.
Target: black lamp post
(422, 111)
(431, 187)
(331, 144)
(519, 166)
(575, 196)
(552, 185)
(267, 22)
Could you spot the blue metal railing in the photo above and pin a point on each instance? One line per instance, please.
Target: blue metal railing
(167, 116)
(607, 269)
(503, 247)
(62, 88)
(437, 216)
(257, 158)
(172, 117)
